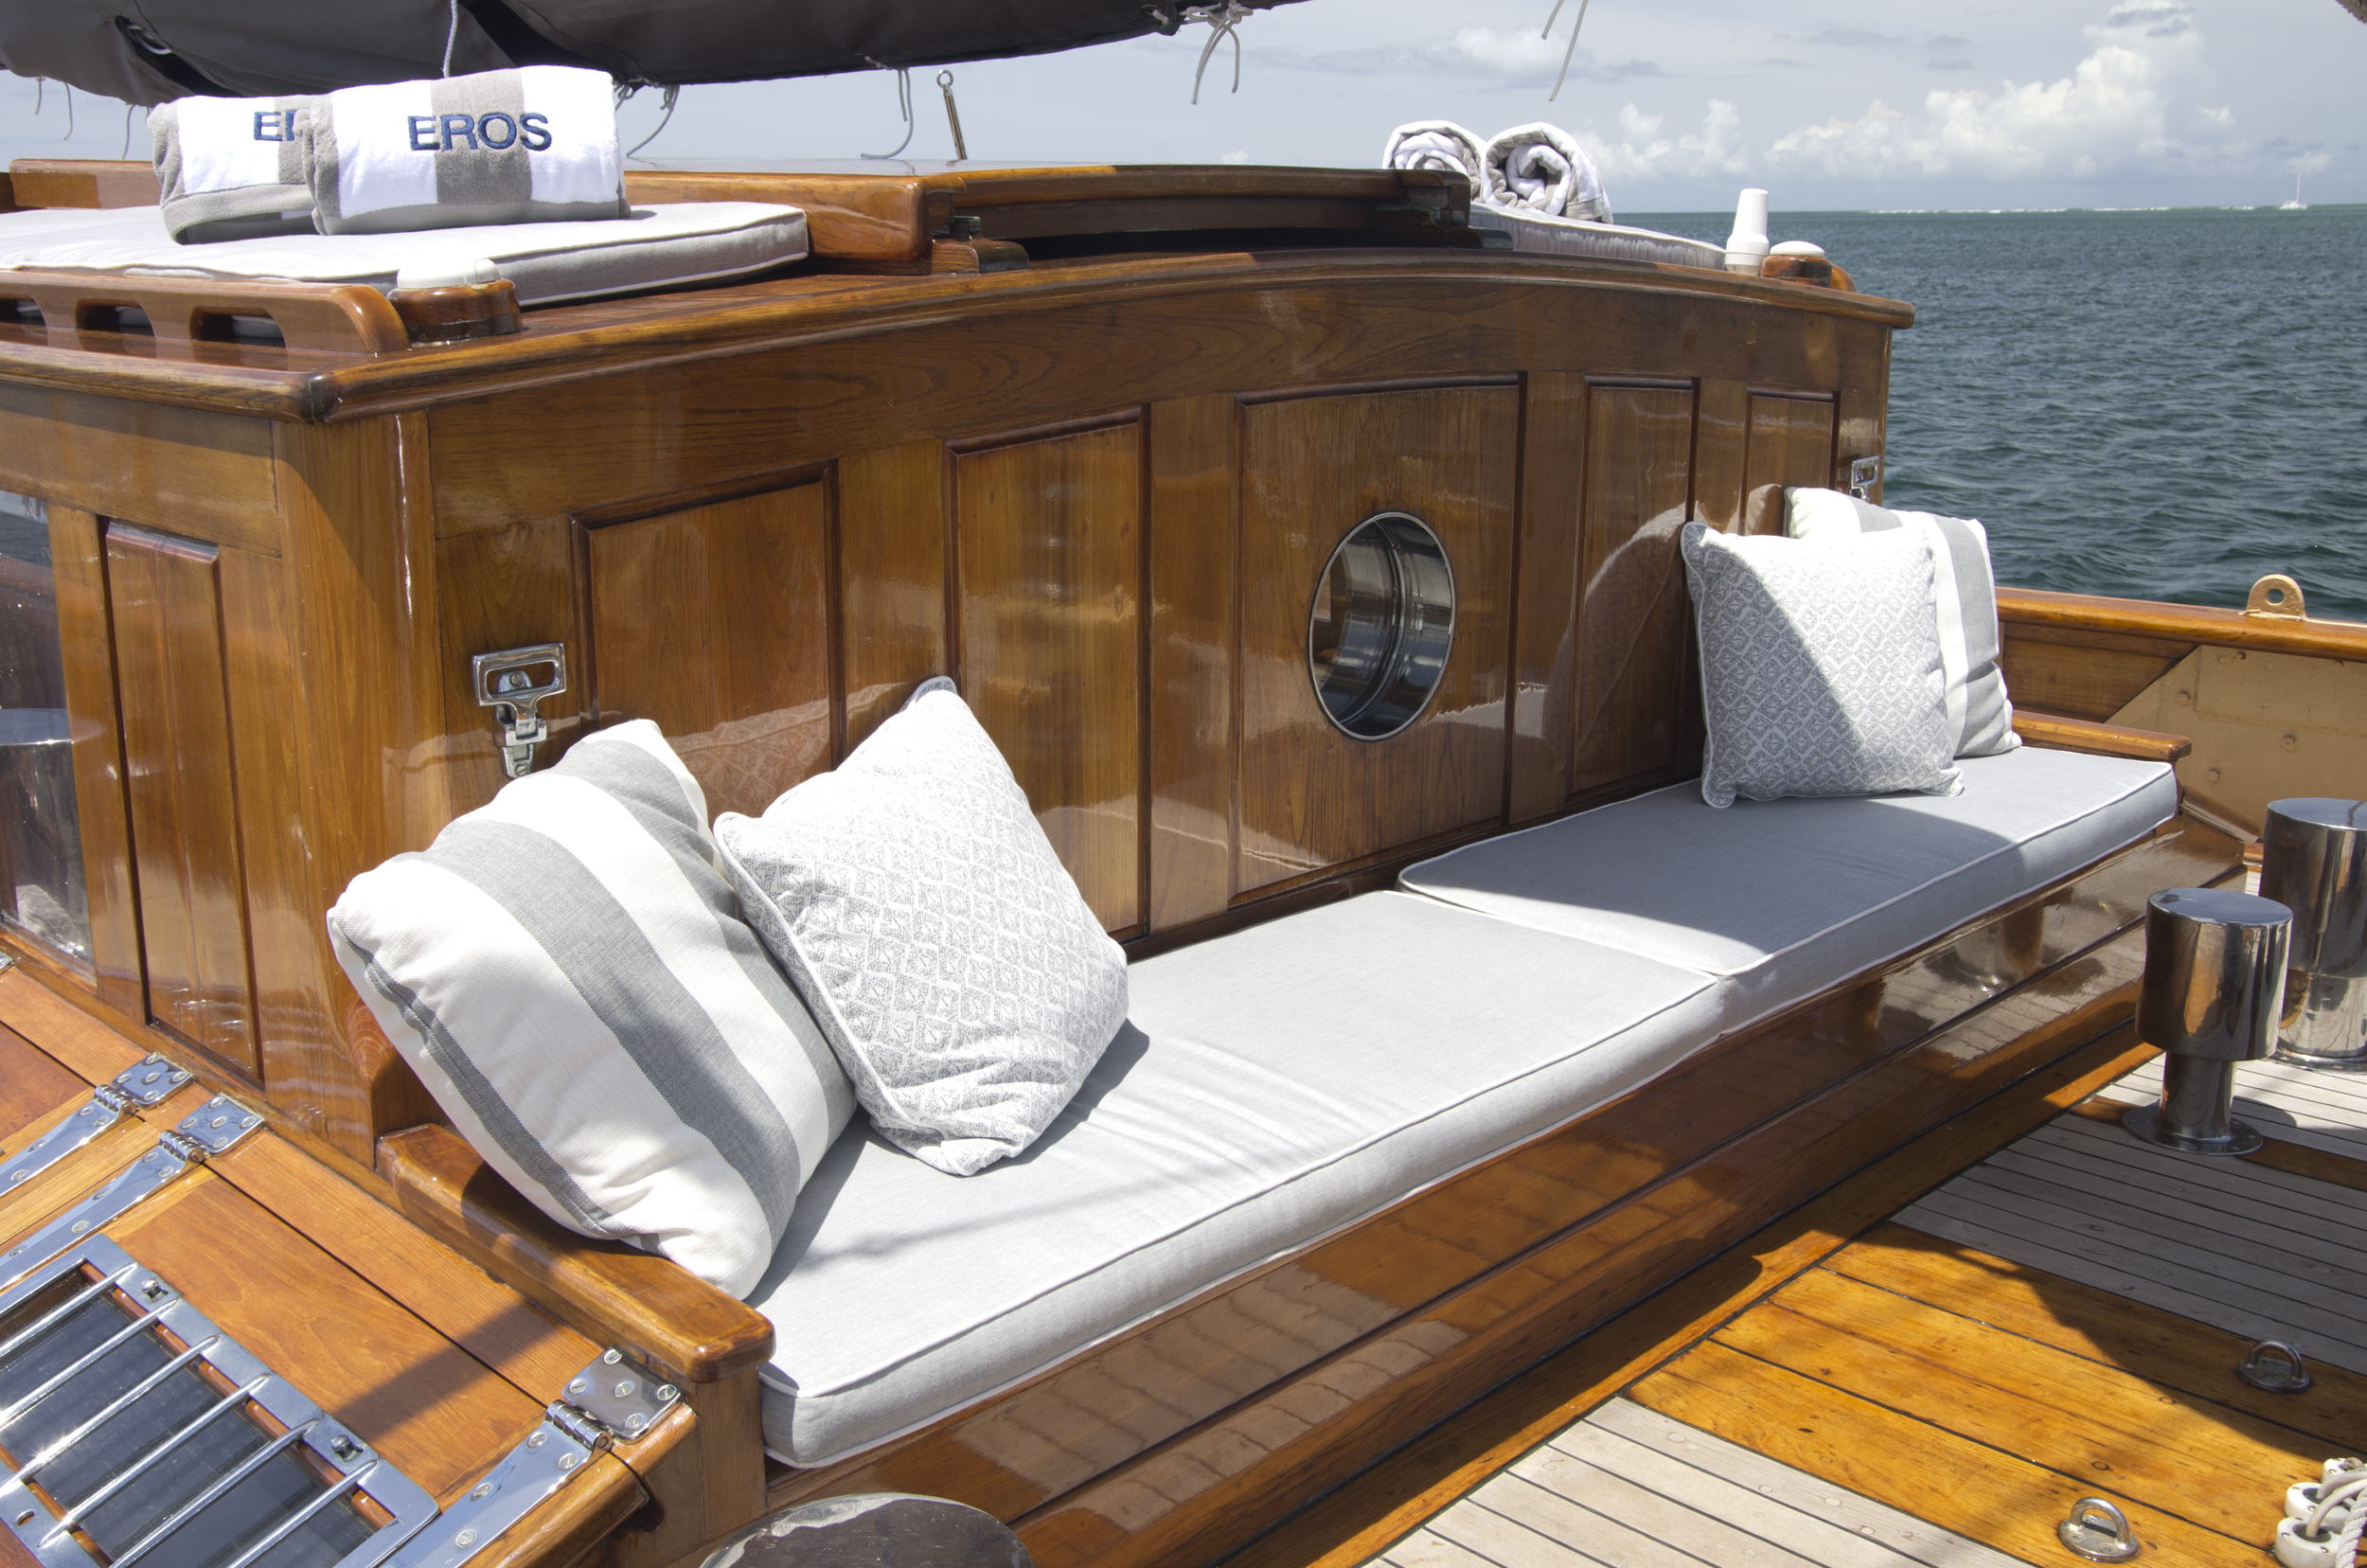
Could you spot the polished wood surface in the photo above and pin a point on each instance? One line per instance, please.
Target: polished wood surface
(2183, 623)
(1630, 1187)
(1310, 797)
(165, 599)
(1628, 689)
(33, 1087)
(1047, 631)
(193, 472)
(613, 1294)
(84, 182)
(1792, 443)
(864, 217)
(1350, 1526)
(176, 314)
(1195, 541)
(892, 580)
(2057, 732)
(63, 1032)
(716, 622)
(86, 642)
(2080, 672)
(1547, 594)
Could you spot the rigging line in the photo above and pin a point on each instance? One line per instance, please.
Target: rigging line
(952, 117)
(452, 36)
(673, 92)
(1224, 21)
(1571, 52)
(904, 106)
(127, 134)
(69, 111)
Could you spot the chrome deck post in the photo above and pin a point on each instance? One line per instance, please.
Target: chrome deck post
(2313, 860)
(2212, 996)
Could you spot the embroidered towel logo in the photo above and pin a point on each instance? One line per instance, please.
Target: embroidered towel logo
(444, 133)
(275, 125)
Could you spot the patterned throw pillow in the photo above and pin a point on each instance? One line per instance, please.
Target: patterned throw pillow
(1963, 601)
(567, 971)
(954, 966)
(1820, 666)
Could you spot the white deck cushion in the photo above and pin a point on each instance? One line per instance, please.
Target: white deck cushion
(1782, 899)
(1964, 603)
(961, 977)
(1273, 1086)
(1820, 666)
(566, 970)
(660, 246)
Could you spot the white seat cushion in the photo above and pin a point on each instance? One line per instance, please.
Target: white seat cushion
(1271, 1086)
(1781, 899)
(656, 247)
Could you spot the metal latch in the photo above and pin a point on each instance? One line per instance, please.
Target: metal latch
(1864, 474)
(505, 682)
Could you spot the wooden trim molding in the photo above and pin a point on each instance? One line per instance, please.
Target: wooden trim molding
(2056, 733)
(2187, 623)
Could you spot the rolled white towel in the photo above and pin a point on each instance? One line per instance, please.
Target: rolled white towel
(536, 144)
(232, 169)
(1442, 145)
(1542, 169)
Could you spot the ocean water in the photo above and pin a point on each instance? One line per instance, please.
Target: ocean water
(2161, 405)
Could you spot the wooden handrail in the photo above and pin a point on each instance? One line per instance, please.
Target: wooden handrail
(613, 1293)
(338, 318)
(2183, 623)
(2056, 733)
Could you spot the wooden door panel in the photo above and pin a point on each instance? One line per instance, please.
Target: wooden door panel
(1312, 469)
(715, 621)
(165, 594)
(1048, 553)
(1632, 614)
(1792, 443)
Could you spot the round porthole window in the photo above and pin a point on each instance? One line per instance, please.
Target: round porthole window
(1382, 621)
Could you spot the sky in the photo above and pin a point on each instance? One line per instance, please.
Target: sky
(1830, 104)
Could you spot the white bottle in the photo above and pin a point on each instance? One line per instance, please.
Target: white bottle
(1746, 246)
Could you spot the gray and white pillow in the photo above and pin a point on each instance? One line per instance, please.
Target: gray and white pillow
(1820, 666)
(1963, 602)
(567, 971)
(957, 971)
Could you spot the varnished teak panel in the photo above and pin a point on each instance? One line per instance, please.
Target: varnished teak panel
(1628, 691)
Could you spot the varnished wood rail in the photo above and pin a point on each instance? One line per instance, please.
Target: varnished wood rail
(2182, 623)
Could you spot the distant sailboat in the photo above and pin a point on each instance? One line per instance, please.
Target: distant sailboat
(2296, 205)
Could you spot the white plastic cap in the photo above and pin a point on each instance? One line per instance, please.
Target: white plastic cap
(455, 273)
(1746, 244)
(1797, 247)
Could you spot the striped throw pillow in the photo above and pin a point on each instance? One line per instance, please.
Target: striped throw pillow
(1964, 596)
(567, 970)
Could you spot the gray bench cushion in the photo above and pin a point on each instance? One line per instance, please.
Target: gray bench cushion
(1781, 899)
(1271, 1086)
(659, 246)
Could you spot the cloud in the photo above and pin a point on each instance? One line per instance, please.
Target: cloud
(2309, 163)
(1643, 153)
(2110, 115)
(1515, 56)
(1852, 37)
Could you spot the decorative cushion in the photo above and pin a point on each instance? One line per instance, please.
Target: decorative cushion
(568, 973)
(1820, 666)
(1964, 600)
(956, 970)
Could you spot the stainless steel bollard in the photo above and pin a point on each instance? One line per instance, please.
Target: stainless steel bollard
(2213, 991)
(2313, 860)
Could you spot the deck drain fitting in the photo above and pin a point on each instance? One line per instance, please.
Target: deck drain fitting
(2098, 1531)
(2276, 1368)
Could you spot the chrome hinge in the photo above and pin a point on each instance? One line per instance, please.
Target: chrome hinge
(1864, 474)
(503, 683)
(147, 1082)
(614, 1400)
(210, 1129)
(8, 962)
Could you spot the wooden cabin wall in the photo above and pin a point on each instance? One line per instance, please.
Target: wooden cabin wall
(1104, 519)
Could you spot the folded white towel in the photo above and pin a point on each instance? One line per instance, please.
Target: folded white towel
(1442, 145)
(232, 169)
(532, 144)
(1542, 169)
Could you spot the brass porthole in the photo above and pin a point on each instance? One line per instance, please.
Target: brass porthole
(1381, 624)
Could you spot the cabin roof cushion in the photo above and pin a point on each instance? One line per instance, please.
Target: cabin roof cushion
(1271, 1086)
(960, 976)
(1782, 899)
(1964, 603)
(664, 245)
(566, 969)
(1820, 669)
